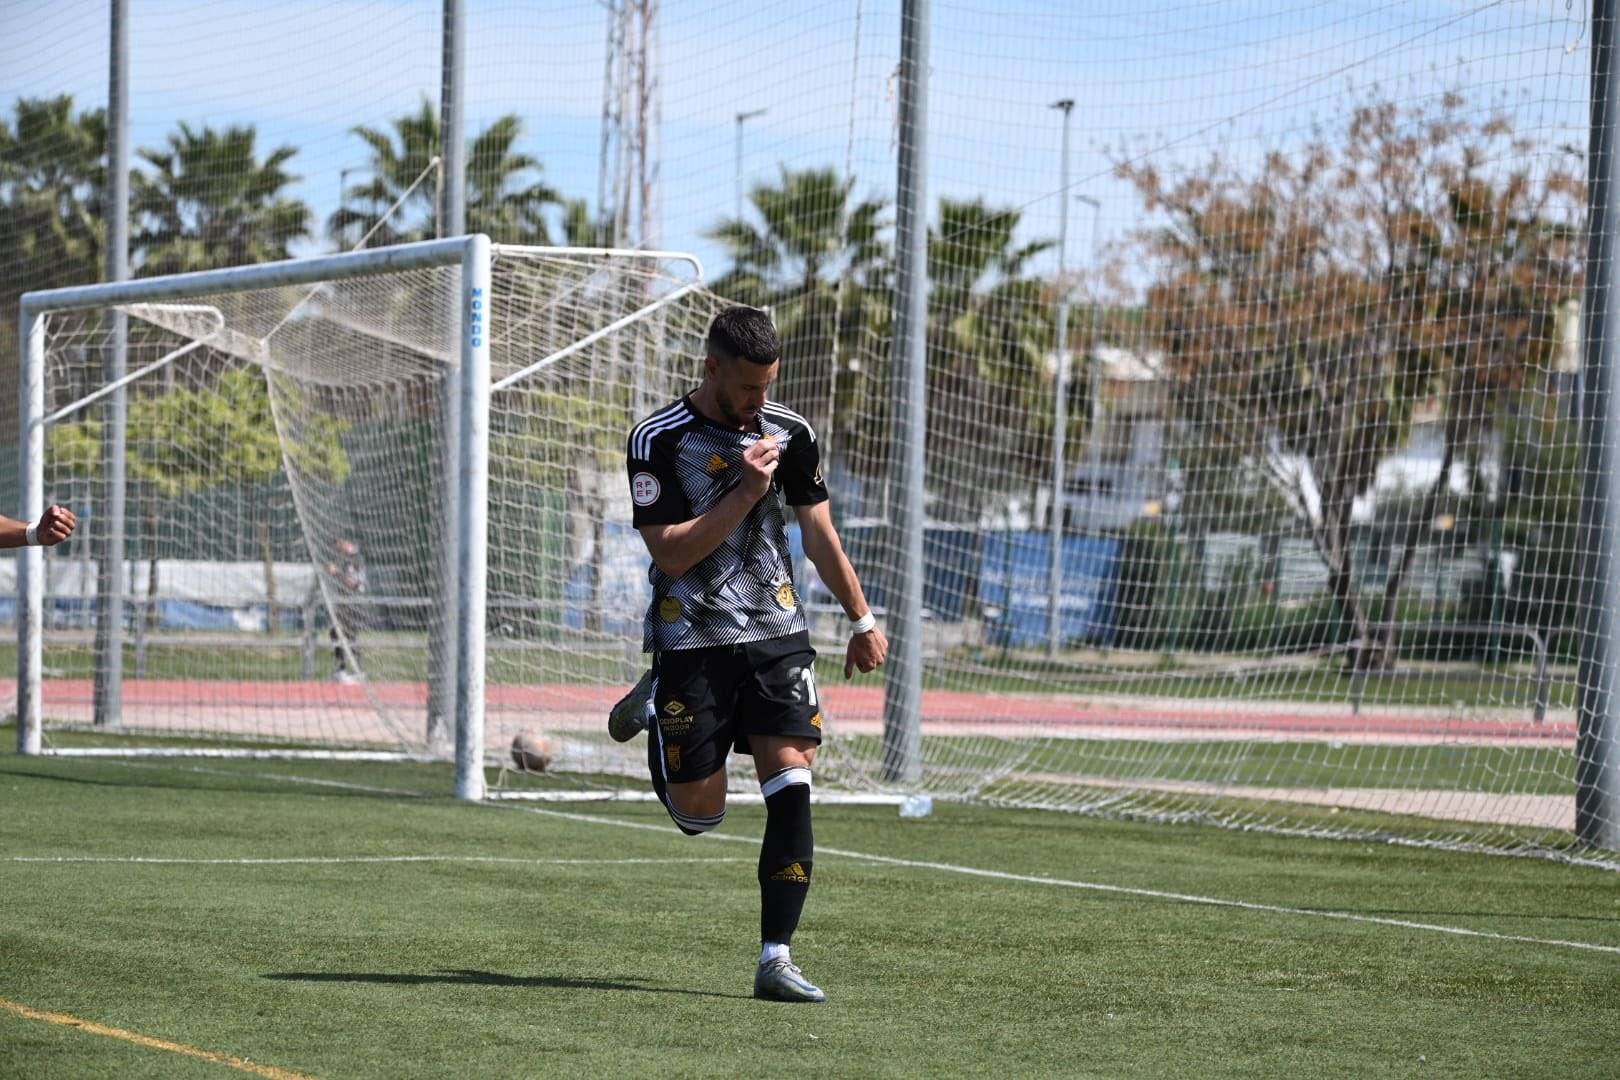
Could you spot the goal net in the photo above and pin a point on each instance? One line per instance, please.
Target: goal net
(290, 570)
(293, 440)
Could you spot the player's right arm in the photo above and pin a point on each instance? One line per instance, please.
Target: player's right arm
(677, 547)
(55, 525)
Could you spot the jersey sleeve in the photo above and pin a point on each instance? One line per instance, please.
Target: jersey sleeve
(800, 471)
(656, 496)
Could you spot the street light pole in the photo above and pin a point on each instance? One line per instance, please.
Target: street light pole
(737, 170)
(1060, 406)
(343, 204)
(1093, 375)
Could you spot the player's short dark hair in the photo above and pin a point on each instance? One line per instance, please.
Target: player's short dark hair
(746, 333)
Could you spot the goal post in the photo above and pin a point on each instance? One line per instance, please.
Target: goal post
(462, 595)
(408, 459)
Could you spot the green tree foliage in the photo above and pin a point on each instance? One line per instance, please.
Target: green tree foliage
(506, 197)
(208, 201)
(990, 332)
(816, 257)
(810, 253)
(193, 438)
(52, 178)
(1314, 305)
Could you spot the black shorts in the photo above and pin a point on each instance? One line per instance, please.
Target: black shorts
(707, 701)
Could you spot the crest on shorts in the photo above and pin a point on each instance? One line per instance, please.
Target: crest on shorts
(673, 755)
(815, 721)
(785, 596)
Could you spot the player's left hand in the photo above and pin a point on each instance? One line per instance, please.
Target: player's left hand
(55, 525)
(866, 652)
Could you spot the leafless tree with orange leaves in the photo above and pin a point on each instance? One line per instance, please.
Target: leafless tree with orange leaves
(1312, 304)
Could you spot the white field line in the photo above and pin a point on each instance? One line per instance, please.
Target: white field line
(1093, 886)
(998, 875)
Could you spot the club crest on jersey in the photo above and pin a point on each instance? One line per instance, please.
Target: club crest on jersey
(644, 489)
(785, 597)
(718, 463)
(669, 609)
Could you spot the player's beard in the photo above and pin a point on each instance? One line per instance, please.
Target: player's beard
(734, 417)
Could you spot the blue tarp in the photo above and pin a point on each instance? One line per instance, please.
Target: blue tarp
(965, 573)
(1019, 564)
(950, 569)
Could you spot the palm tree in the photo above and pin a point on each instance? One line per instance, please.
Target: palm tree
(52, 175)
(989, 331)
(210, 202)
(505, 197)
(815, 253)
(52, 183)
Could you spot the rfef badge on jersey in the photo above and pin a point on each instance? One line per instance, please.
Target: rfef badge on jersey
(644, 489)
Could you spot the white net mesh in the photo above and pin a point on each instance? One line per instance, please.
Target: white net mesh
(1321, 558)
(283, 450)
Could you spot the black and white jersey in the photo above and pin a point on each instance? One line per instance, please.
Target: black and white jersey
(680, 465)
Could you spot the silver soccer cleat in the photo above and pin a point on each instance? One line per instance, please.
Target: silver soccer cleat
(628, 717)
(780, 980)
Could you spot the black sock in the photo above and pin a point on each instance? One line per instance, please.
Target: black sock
(787, 855)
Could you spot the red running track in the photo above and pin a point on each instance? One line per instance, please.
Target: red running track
(858, 708)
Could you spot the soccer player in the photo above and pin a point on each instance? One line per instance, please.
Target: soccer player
(732, 662)
(55, 525)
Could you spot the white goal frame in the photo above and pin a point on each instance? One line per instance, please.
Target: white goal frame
(464, 592)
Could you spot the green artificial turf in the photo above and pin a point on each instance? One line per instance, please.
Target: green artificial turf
(592, 940)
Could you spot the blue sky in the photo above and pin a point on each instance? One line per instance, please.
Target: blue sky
(1177, 80)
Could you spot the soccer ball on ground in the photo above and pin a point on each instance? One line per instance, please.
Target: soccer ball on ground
(532, 751)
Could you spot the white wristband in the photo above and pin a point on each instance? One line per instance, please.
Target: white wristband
(863, 624)
(31, 535)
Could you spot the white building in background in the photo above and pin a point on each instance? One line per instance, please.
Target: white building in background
(1118, 474)
(1124, 470)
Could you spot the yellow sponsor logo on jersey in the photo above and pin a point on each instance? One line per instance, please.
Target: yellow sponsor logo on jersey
(669, 609)
(718, 463)
(785, 597)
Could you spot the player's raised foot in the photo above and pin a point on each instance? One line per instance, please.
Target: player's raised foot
(780, 980)
(629, 717)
